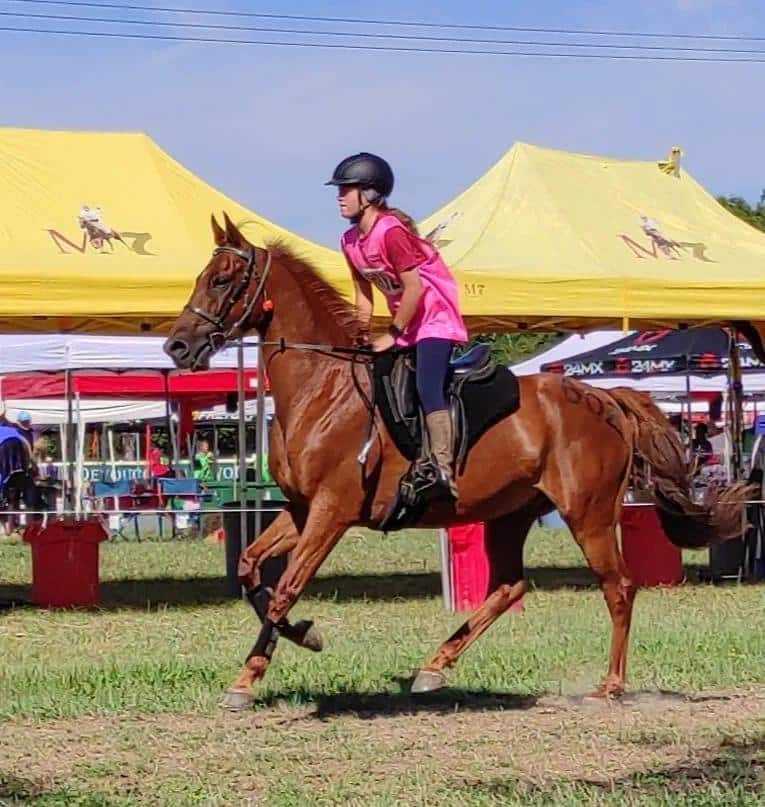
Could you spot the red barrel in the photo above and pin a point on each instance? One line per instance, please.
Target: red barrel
(469, 568)
(65, 563)
(651, 558)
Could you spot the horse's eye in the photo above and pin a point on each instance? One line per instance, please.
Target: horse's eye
(221, 280)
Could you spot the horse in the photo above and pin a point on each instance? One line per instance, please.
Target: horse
(97, 231)
(569, 447)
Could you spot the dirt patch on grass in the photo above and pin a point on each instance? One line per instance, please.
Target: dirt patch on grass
(362, 744)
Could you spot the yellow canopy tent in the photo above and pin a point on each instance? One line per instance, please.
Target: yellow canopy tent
(554, 240)
(105, 232)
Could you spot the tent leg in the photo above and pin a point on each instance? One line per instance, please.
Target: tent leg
(259, 440)
(242, 449)
(735, 387)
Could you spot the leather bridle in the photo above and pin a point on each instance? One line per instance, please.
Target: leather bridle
(241, 291)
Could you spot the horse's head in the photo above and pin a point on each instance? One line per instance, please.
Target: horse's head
(229, 299)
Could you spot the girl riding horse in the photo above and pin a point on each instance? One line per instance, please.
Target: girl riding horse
(383, 250)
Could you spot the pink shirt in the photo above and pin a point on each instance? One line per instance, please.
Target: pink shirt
(438, 315)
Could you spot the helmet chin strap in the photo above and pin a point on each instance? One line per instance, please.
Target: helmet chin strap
(370, 197)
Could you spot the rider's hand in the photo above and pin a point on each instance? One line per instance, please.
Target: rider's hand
(384, 342)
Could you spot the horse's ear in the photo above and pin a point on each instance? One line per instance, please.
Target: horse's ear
(233, 236)
(219, 234)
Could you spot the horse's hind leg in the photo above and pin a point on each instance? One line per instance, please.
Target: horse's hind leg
(604, 558)
(504, 539)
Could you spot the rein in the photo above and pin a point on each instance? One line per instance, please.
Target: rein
(222, 335)
(337, 351)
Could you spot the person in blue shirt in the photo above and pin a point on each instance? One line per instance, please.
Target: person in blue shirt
(24, 427)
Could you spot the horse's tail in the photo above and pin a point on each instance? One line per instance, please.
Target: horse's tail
(687, 524)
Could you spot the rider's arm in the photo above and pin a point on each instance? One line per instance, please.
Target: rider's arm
(405, 255)
(410, 298)
(364, 300)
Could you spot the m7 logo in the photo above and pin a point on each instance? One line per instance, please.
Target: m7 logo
(661, 246)
(99, 236)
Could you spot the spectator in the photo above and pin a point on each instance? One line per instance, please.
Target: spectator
(159, 463)
(203, 463)
(702, 448)
(717, 441)
(24, 427)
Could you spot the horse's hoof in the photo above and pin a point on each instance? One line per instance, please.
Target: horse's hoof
(428, 681)
(604, 694)
(237, 700)
(312, 639)
(304, 634)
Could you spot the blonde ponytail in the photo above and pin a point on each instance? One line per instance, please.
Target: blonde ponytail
(404, 218)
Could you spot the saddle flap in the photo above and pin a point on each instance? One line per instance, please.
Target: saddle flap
(403, 383)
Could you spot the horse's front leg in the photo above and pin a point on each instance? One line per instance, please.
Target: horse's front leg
(260, 567)
(323, 529)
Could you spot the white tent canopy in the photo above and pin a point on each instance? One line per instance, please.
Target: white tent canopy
(51, 411)
(57, 352)
(568, 346)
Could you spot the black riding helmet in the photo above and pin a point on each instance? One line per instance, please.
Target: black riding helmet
(368, 171)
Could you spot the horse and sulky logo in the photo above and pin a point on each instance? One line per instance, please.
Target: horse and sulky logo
(99, 237)
(656, 244)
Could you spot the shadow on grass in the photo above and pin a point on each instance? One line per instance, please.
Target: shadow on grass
(388, 704)
(733, 774)
(186, 592)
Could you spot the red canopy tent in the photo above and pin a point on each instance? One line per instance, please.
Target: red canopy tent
(199, 389)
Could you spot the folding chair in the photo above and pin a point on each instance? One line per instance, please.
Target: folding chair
(187, 493)
(117, 496)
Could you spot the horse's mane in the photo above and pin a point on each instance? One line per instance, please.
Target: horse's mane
(331, 309)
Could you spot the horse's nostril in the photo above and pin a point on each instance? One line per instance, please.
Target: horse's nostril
(176, 348)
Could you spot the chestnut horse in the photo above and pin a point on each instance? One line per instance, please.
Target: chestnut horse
(569, 447)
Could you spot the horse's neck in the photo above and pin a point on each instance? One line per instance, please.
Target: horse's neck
(299, 314)
(294, 374)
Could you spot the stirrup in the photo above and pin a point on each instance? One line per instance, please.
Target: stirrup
(426, 482)
(447, 485)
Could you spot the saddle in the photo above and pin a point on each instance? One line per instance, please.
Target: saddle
(480, 393)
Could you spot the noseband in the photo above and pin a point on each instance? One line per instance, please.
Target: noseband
(248, 256)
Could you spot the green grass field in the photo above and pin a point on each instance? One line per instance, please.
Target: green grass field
(120, 706)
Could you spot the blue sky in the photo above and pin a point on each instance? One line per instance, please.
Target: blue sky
(267, 125)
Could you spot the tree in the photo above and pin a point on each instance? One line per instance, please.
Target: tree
(509, 348)
(751, 214)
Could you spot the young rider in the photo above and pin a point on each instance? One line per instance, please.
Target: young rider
(384, 250)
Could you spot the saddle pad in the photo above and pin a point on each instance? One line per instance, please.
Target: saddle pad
(486, 401)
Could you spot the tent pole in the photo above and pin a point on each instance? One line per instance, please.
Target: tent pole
(215, 450)
(169, 421)
(689, 402)
(147, 450)
(241, 447)
(68, 458)
(112, 456)
(735, 387)
(80, 459)
(259, 441)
